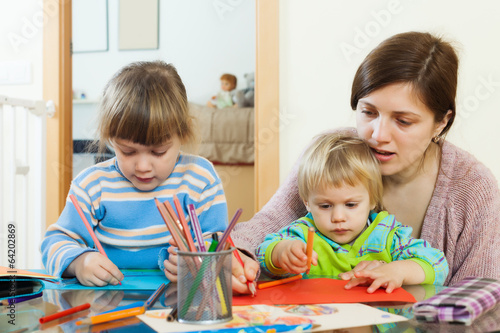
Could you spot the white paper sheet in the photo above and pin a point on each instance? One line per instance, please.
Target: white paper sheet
(328, 316)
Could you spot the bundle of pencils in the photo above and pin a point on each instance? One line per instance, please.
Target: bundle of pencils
(179, 229)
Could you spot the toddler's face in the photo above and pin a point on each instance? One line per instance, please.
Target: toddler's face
(340, 213)
(226, 85)
(146, 167)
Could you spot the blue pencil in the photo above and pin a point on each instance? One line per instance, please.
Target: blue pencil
(20, 299)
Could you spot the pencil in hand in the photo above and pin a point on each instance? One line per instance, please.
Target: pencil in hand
(309, 250)
(251, 285)
(89, 228)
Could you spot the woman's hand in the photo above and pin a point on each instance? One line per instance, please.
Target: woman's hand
(243, 274)
(94, 270)
(171, 263)
(291, 256)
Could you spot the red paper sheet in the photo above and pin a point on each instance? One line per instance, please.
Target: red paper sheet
(320, 291)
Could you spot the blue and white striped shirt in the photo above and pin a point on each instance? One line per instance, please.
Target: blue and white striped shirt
(126, 220)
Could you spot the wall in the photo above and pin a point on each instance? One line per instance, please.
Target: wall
(322, 42)
(203, 39)
(21, 35)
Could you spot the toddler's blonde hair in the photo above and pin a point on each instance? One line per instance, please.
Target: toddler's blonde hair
(338, 160)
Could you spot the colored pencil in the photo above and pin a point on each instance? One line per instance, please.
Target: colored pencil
(167, 220)
(250, 285)
(173, 314)
(103, 318)
(309, 250)
(87, 225)
(154, 297)
(20, 299)
(174, 216)
(123, 307)
(64, 313)
(89, 228)
(229, 228)
(278, 282)
(195, 223)
(175, 223)
(184, 224)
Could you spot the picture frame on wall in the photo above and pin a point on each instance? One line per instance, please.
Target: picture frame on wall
(90, 26)
(138, 25)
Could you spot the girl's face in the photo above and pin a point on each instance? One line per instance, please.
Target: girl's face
(397, 126)
(340, 213)
(146, 167)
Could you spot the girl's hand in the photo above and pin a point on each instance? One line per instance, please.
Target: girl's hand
(243, 274)
(94, 269)
(291, 256)
(171, 263)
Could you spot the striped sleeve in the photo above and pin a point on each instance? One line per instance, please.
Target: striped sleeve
(264, 250)
(430, 259)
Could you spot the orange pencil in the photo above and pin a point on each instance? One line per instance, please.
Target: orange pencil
(278, 282)
(309, 250)
(105, 317)
(170, 226)
(89, 228)
(185, 227)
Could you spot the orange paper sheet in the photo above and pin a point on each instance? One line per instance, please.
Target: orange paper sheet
(6, 272)
(319, 291)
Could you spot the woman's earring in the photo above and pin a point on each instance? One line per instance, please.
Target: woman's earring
(436, 139)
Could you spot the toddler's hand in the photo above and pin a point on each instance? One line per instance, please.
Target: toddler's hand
(385, 275)
(94, 269)
(291, 256)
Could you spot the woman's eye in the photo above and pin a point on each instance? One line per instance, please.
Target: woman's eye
(404, 122)
(368, 113)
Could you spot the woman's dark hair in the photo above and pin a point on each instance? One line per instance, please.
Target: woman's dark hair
(426, 62)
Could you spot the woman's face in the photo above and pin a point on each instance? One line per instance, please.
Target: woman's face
(397, 126)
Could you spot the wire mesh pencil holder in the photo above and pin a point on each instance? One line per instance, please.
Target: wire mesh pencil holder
(204, 294)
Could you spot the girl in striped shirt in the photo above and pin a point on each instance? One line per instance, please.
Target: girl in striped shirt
(143, 116)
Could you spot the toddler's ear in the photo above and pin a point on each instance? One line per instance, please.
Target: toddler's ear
(307, 206)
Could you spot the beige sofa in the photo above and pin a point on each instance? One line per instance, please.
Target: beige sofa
(226, 135)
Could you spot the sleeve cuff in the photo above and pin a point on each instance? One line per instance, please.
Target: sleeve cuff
(428, 270)
(269, 264)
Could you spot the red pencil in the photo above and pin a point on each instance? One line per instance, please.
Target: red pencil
(64, 313)
(184, 224)
(250, 285)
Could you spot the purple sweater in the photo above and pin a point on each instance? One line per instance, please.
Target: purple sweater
(462, 220)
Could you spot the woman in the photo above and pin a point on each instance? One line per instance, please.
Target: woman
(404, 98)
